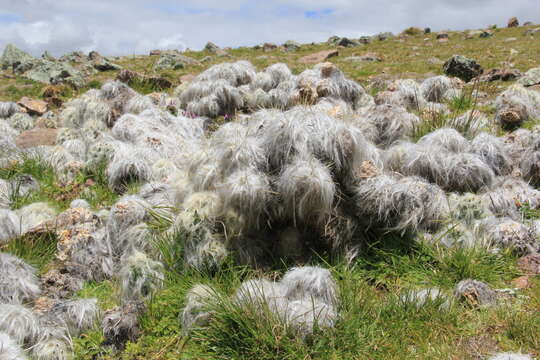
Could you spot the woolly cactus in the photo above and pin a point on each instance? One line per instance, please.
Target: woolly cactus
(18, 281)
(140, 276)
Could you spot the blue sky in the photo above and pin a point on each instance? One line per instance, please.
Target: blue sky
(119, 27)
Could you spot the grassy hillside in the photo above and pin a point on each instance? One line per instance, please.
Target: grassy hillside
(375, 318)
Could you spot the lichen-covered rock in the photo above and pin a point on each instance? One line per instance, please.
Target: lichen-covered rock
(15, 59)
(173, 61)
(462, 67)
(475, 293)
(55, 72)
(531, 77)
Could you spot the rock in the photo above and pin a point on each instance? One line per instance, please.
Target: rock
(512, 116)
(528, 23)
(173, 61)
(333, 40)
(532, 32)
(498, 74)
(462, 67)
(36, 137)
(486, 34)
(48, 56)
(100, 63)
(346, 42)
(158, 82)
(155, 53)
(291, 45)
(128, 76)
(442, 35)
(318, 57)
(513, 22)
(531, 77)
(74, 56)
(510, 39)
(121, 324)
(368, 57)
(55, 72)
(364, 40)
(475, 293)
(16, 59)
(427, 30)
(384, 36)
(522, 282)
(530, 264)
(269, 47)
(33, 106)
(211, 47)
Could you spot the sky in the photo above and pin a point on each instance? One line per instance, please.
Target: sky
(125, 27)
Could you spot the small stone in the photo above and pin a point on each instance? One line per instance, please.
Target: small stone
(513, 22)
(291, 45)
(36, 137)
(531, 77)
(475, 293)
(427, 30)
(319, 57)
(211, 47)
(530, 264)
(269, 47)
(155, 53)
(442, 35)
(33, 106)
(522, 282)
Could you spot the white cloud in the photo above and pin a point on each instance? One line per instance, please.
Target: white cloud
(137, 26)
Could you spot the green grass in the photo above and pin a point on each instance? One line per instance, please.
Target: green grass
(36, 249)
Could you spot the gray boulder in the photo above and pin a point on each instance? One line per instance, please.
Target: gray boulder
(211, 47)
(531, 77)
(464, 68)
(16, 59)
(475, 293)
(384, 36)
(48, 56)
(291, 45)
(100, 63)
(74, 56)
(55, 72)
(346, 42)
(173, 61)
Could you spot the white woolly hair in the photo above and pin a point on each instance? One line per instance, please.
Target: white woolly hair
(51, 349)
(472, 122)
(121, 323)
(158, 195)
(403, 204)
(310, 283)
(530, 163)
(422, 297)
(258, 292)
(510, 356)
(447, 139)
(468, 207)
(128, 211)
(9, 349)
(466, 173)
(235, 74)
(138, 104)
(279, 73)
(307, 189)
(390, 123)
(19, 322)
(247, 191)
(492, 151)
(234, 149)
(206, 250)
(6, 192)
(140, 276)
(114, 88)
(21, 121)
(525, 103)
(203, 206)
(79, 203)
(86, 112)
(78, 314)
(407, 93)
(23, 184)
(18, 281)
(34, 215)
(304, 315)
(196, 310)
(90, 254)
(129, 164)
(77, 148)
(10, 226)
(507, 233)
(8, 108)
(435, 88)
(263, 81)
